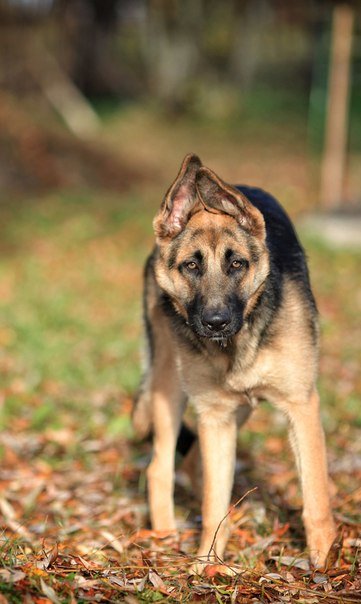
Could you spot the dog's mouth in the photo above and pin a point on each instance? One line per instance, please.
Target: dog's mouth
(221, 337)
(222, 341)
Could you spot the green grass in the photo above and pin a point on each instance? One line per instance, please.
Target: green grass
(70, 310)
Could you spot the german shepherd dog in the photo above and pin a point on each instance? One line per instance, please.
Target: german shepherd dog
(230, 320)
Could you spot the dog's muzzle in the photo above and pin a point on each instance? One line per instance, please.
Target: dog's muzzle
(216, 320)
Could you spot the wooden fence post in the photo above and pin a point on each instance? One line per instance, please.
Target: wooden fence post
(335, 144)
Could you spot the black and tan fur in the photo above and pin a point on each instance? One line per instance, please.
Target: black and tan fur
(230, 320)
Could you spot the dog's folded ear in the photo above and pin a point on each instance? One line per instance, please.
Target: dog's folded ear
(217, 195)
(179, 200)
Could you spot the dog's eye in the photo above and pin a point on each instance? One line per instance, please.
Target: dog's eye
(192, 265)
(237, 264)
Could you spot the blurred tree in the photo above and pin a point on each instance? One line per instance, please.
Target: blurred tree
(171, 49)
(202, 56)
(249, 20)
(88, 27)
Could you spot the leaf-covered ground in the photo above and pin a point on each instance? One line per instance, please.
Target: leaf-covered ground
(73, 493)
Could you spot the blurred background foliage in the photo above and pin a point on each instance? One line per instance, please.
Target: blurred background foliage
(258, 68)
(99, 102)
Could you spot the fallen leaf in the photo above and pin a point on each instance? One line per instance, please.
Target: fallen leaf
(333, 554)
(123, 584)
(301, 563)
(49, 558)
(113, 541)
(211, 570)
(10, 520)
(49, 592)
(11, 576)
(320, 578)
(272, 577)
(156, 580)
(259, 546)
(349, 542)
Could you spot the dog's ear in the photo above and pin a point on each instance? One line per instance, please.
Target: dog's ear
(179, 200)
(217, 195)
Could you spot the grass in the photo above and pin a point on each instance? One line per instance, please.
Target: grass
(70, 334)
(70, 309)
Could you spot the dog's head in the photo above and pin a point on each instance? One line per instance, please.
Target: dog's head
(213, 259)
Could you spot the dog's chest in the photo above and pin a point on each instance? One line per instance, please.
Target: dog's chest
(241, 378)
(243, 375)
(252, 372)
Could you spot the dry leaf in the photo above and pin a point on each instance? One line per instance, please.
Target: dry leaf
(301, 563)
(349, 542)
(10, 520)
(49, 592)
(11, 576)
(113, 541)
(156, 580)
(272, 577)
(259, 546)
(49, 558)
(211, 570)
(123, 583)
(319, 578)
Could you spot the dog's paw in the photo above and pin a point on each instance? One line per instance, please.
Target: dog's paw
(197, 568)
(322, 560)
(209, 569)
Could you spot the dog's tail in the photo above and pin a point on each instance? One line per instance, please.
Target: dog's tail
(142, 423)
(142, 414)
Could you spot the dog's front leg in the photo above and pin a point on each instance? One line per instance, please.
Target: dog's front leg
(217, 439)
(308, 442)
(167, 409)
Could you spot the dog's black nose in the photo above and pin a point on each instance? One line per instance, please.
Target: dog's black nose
(216, 320)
